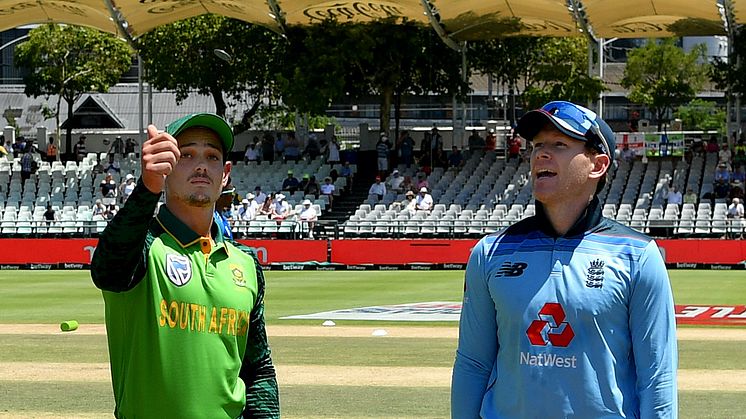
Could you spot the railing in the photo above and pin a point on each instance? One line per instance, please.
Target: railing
(296, 229)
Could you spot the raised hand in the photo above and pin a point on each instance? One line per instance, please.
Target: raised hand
(160, 153)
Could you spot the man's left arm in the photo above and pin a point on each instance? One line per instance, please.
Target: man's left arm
(653, 329)
(257, 370)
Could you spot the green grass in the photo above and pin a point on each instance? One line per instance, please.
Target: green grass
(310, 292)
(55, 296)
(711, 404)
(708, 287)
(51, 297)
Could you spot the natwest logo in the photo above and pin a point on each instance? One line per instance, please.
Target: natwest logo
(550, 327)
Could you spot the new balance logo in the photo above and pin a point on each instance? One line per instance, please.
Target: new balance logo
(511, 269)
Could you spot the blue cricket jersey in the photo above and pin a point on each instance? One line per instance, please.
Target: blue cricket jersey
(580, 325)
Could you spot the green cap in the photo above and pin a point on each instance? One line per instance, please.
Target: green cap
(204, 120)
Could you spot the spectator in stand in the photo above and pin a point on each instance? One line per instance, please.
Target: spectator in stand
(260, 196)
(422, 181)
(126, 188)
(312, 149)
(722, 188)
(735, 209)
(108, 188)
(279, 148)
(130, 146)
(425, 146)
(98, 168)
(476, 142)
(409, 204)
(312, 187)
(674, 196)
(27, 165)
(627, 154)
(395, 181)
(117, 147)
(736, 191)
(739, 154)
(332, 151)
(50, 214)
(304, 182)
(248, 209)
(697, 147)
(490, 142)
(327, 190)
(408, 185)
(251, 155)
(725, 155)
(722, 172)
(378, 189)
(436, 140)
(112, 166)
(424, 200)
(405, 144)
(382, 154)
(99, 208)
(268, 147)
(308, 216)
(79, 149)
(346, 172)
(425, 162)
(712, 145)
(739, 175)
(440, 159)
(292, 148)
(52, 151)
(456, 159)
(514, 148)
(290, 183)
(690, 197)
(111, 211)
(19, 147)
(281, 208)
(266, 208)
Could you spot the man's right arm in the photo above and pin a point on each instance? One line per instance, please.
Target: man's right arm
(119, 260)
(118, 263)
(477, 345)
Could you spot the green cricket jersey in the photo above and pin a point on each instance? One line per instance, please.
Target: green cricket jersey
(184, 319)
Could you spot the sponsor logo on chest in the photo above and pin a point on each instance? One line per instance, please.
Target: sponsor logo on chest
(549, 329)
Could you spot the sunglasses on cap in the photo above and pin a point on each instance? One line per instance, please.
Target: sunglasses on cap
(231, 191)
(578, 121)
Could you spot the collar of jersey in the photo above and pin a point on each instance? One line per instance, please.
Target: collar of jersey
(590, 219)
(184, 235)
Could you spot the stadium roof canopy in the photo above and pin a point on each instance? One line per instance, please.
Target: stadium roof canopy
(455, 20)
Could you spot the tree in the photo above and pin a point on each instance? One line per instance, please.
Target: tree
(701, 115)
(404, 59)
(660, 75)
(330, 61)
(538, 69)
(71, 60)
(180, 57)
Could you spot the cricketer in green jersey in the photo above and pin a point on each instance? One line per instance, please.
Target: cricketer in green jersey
(184, 305)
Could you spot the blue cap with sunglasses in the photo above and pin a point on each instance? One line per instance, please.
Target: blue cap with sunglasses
(572, 120)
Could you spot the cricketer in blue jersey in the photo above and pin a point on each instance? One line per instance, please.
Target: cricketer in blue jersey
(566, 313)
